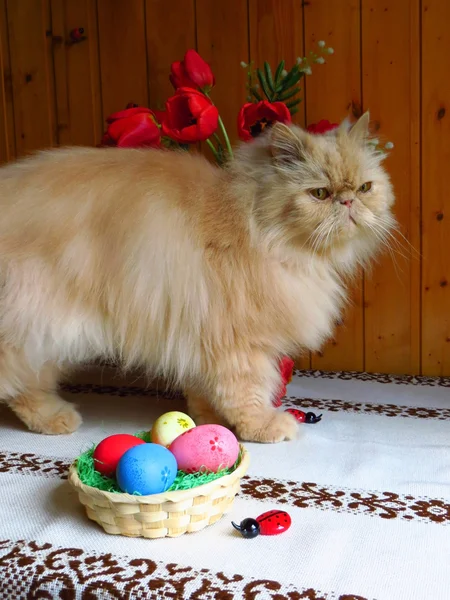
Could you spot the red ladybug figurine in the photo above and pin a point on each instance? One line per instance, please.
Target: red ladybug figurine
(272, 522)
(298, 414)
(77, 35)
(302, 417)
(248, 528)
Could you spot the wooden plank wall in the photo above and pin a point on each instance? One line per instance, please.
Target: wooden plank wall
(390, 57)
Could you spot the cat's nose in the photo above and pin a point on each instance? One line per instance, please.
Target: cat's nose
(347, 202)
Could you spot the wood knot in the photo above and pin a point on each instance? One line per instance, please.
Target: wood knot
(376, 126)
(356, 109)
(441, 113)
(443, 283)
(440, 216)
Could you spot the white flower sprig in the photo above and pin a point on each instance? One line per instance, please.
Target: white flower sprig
(381, 148)
(305, 62)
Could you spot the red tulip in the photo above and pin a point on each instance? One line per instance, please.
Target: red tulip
(192, 72)
(178, 76)
(190, 117)
(132, 128)
(321, 127)
(286, 366)
(254, 117)
(160, 115)
(130, 110)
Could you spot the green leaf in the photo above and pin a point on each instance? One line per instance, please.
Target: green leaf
(278, 74)
(288, 94)
(263, 84)
(256, 94)
(289, 75)
(291, 79)
(293, 111)
(269, 79)
(293, 103)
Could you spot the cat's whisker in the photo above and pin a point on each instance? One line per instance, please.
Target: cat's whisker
(394, 243)
(385, 243)
(329, 234)
(324, 232)
(394, 249)
(310, 237)
(399, 244)
(316, 236)
(397, 250)
(408, 247)
(316, 244)
(412, 248)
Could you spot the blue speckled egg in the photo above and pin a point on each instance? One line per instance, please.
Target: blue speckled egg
(146, 469)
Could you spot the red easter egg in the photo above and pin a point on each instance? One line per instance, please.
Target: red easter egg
(110, 450)
(274, 522)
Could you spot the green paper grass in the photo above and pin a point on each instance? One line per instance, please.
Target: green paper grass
(183, 481)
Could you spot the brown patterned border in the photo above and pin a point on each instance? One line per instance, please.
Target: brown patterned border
(387, 505)
(130, 390)
(31, 570)
(387, 410)
(122, 391)
(32, 464)
(332, 405)
(376, 377)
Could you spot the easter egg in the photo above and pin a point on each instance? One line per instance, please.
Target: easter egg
(110, 450)
(147, 469)
(206, 447)
(169, 426)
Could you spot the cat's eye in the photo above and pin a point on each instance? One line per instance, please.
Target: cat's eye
(320, 193)
(365, 187)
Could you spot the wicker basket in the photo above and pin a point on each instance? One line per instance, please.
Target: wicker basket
(169, 514)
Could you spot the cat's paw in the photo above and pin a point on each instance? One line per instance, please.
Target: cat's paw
(66, 420)
(47, 413)
(279, 427)
(207, 416)
(201, 411)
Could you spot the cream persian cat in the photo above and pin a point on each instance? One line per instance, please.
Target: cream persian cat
(205, 276)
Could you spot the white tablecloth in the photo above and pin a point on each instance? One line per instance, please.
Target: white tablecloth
(368, 490)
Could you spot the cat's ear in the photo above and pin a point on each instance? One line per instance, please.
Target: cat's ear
(285, 145)
(360, 130)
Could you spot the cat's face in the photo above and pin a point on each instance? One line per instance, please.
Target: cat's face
(328, 193)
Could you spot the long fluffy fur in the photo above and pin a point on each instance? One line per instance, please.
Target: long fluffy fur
(202, 275)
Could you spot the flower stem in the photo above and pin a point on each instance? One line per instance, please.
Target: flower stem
(222, 127)
(213, 149)
(225, 135)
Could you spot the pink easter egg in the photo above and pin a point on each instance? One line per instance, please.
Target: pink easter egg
(206, 447)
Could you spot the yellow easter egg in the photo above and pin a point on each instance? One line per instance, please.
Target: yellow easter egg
(169, 426)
